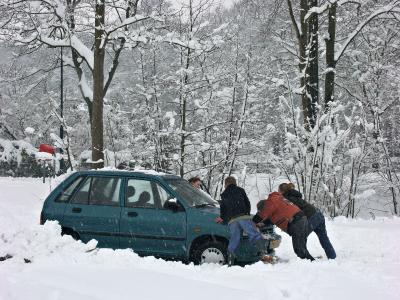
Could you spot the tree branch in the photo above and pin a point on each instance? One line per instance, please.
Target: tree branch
(385, 10)
(294, 22)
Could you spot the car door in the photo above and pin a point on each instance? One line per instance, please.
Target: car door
(94, 210)
(54, 206)
(146, 226)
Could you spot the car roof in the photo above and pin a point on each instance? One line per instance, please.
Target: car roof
(141, 173)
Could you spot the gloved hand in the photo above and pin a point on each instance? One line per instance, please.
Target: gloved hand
(257, 219)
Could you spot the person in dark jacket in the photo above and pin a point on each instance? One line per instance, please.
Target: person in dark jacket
(235, 211)
(316, 219)
(287, 217)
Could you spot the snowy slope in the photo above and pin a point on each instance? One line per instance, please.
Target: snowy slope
(367, 267)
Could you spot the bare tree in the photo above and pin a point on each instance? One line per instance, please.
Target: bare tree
(71, 24)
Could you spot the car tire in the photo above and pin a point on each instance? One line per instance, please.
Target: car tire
(210, 252)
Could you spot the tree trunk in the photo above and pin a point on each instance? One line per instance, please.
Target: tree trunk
(183, 135)
(183, 108)
(307, 38)
(312, 70)
(77, 60)
(184, 94)
(303, 43)
(98, 84)
(330, 56)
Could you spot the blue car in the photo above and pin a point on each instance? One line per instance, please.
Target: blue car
(152, 213)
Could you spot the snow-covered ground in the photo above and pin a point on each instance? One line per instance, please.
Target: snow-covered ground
(367, 267)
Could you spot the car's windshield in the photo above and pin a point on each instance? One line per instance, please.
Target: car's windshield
(192, 196)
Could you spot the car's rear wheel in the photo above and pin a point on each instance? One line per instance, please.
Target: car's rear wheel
(210, 252)
(68, 231)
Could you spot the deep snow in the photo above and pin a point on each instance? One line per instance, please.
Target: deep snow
(367, 266)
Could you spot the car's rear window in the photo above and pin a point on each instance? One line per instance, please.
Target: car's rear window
(69, 190)
(98, 191)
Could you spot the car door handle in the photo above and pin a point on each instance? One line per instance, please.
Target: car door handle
(132, 214)
(76, 209)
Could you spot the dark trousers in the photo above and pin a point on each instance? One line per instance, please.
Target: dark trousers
(317, 224)
(298, 230)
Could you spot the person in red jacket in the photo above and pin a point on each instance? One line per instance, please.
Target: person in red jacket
(315, 218)
(287, 217)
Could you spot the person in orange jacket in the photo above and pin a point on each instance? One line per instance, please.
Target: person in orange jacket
(287, 217)
(315, 218)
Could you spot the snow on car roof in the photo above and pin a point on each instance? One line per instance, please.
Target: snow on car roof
(137, 170)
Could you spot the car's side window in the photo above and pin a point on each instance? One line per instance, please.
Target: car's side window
(105, 191)
(81, 196)
(98, 191)
(66, 193)
(139, 193)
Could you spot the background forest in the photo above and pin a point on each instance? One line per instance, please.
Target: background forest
(306, 89)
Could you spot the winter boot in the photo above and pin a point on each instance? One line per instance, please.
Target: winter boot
(231, 258)
(262, 247)
(268, 259)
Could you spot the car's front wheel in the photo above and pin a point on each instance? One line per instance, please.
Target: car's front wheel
(211, 252)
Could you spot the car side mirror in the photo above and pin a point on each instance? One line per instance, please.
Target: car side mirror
(172, 204)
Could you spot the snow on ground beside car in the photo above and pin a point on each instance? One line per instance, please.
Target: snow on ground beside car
(367, 267)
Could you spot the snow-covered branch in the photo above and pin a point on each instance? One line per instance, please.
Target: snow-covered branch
(73, 42)
(127, 22)
(384, 10)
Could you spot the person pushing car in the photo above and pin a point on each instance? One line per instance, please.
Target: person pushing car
(287, 217)
(235, 211)
(316, 219)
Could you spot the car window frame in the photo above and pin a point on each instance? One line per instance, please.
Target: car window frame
(155, 181)
(119, 192)
(126, 188)
(78, 188)
(79, 177)
(86, 176)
